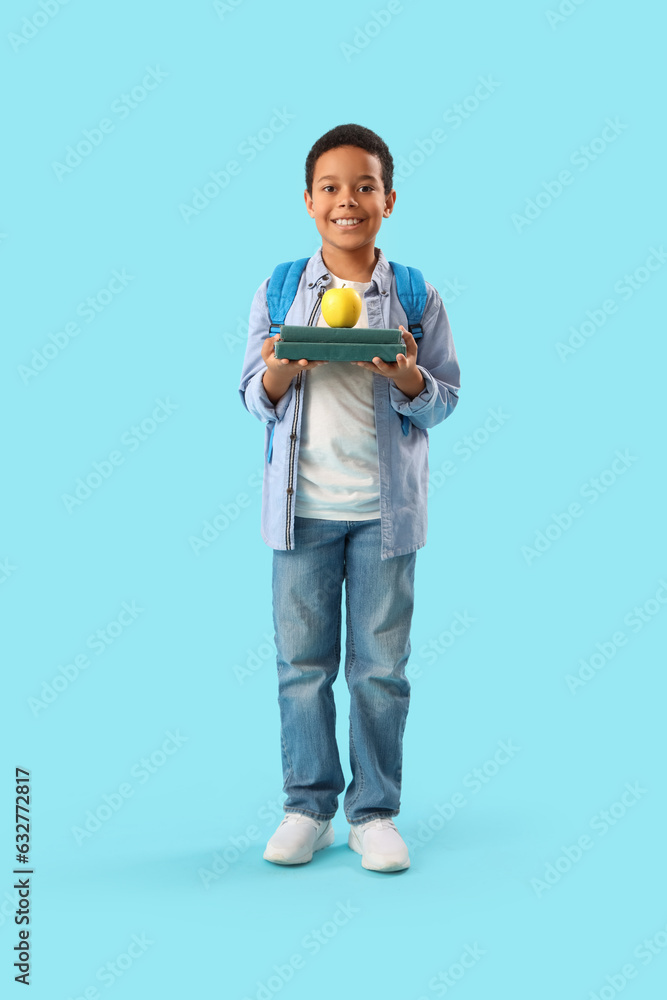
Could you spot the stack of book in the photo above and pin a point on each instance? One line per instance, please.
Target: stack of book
(328, 343)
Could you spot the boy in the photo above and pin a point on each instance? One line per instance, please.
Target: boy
(344, 499)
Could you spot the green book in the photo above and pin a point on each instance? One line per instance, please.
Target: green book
(339, 334)
(341, 351)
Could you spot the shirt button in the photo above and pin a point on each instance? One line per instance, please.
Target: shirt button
(289, 491)
(382, 292)
(292, 437)
(310, 284)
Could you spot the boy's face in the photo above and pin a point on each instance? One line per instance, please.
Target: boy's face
(347, 183)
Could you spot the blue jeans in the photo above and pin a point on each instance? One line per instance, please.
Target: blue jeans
(379, 594)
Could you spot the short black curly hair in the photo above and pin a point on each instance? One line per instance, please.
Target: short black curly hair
(351, 135)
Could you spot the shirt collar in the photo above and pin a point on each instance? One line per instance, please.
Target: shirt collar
(317, 273)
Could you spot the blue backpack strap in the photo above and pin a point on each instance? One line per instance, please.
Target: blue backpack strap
(280, 293)
(281, 290)
(412, 293)
(411, 289)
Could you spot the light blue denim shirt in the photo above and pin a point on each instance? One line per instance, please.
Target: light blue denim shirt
(402, 459)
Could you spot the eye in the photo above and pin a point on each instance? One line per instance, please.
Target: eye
(368, 186)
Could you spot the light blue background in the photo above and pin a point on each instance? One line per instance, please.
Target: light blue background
(176, 332)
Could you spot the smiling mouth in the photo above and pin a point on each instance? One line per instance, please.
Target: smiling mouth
(347, 224)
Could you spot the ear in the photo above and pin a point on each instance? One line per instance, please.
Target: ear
(309, 204)
(389, 203)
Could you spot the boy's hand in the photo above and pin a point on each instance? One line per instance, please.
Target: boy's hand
(280, 371)
(403, 371)
(284, 367)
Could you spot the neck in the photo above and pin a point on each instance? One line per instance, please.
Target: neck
(352, 265)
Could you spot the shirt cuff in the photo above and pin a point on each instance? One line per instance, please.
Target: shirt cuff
(404, 404)
(264, 407)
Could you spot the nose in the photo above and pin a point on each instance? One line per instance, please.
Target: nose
(348, 199)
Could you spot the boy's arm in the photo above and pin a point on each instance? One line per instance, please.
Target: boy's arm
(437, 361)
(253, 393)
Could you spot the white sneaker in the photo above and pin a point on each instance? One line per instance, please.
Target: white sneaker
(297, 838)
(380, 844)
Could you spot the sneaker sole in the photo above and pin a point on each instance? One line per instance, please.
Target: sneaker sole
(277, 858)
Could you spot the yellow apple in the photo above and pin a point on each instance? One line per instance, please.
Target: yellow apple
(341, 306)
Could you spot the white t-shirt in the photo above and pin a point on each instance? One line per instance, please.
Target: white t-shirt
(338, 476)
